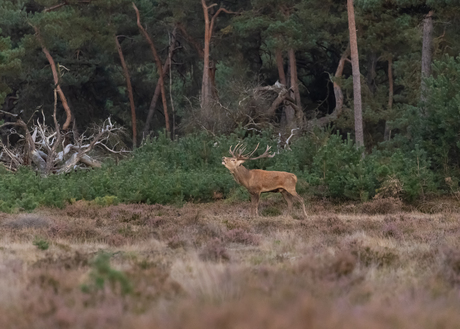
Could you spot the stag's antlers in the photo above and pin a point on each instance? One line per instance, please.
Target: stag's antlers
(241, 156)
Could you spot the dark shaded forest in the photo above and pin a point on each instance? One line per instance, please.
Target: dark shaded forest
(157, 91)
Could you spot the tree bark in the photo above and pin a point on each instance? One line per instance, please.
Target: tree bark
(159, 68)
(294, 82)
(207, 40)
(130, 90)
(321, 122)
(87, 160)
(288, 114)
(56, 80)
(172, 42)
(191, 40)
(212, 65)
(30, 151)
(427, 53)
(212, 79)
(153, 104)
(166, 67)
(371, 71)
(359, 134)
(279, 64)
(337, 89)
(206, 84)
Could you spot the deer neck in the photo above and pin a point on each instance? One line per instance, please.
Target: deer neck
(241, 175)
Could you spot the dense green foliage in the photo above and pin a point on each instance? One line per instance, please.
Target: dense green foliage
(190, 169)
(80, 37)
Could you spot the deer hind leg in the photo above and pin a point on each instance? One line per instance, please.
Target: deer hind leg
(297, 197)
(287, 197)
(255, 204)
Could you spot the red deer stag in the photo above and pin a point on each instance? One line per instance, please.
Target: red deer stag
(258, 181)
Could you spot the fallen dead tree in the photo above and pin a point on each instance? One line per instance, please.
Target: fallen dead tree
(48, 150)
(280, 95)
(258, 108)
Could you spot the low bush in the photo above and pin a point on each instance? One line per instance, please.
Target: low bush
(215, 251)
(102, 275)
(41, 243)
(190, 170)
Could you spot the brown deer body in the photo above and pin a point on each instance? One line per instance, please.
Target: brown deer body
(258, 181)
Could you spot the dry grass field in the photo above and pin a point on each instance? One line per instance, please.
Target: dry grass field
(379, 264)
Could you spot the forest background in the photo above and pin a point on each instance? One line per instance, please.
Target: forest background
(187, 79)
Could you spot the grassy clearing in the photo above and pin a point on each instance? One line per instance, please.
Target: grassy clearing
(379, 264)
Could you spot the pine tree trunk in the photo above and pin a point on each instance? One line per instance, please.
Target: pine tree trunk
(288, 114)
(205, 88)
(212, 79)
(130, 90)
(427, 53)
(359, 134)
(294, 80)
(207, 83)
(156, 94)
(62, 97)
(159, 68)
(371, 71)
(279, 64)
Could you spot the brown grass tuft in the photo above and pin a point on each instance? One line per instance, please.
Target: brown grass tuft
(391, 230)
(215, 251)
(377, 255)
(343, 264)
(116, 240)
(176, 242)
(23, 221)
(381, 206)
(451, 265)
(237, 224)
(336, 226)
(239, 235)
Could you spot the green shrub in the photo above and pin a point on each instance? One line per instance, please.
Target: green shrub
(340, 167)
(107, 200)
(190, 170)
(271, 212)
(102, 273)
(411, 169)
(40, 243)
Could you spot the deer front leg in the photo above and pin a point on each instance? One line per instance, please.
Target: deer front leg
(255, 204)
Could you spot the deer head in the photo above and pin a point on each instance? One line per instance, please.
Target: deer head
(238, 157)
